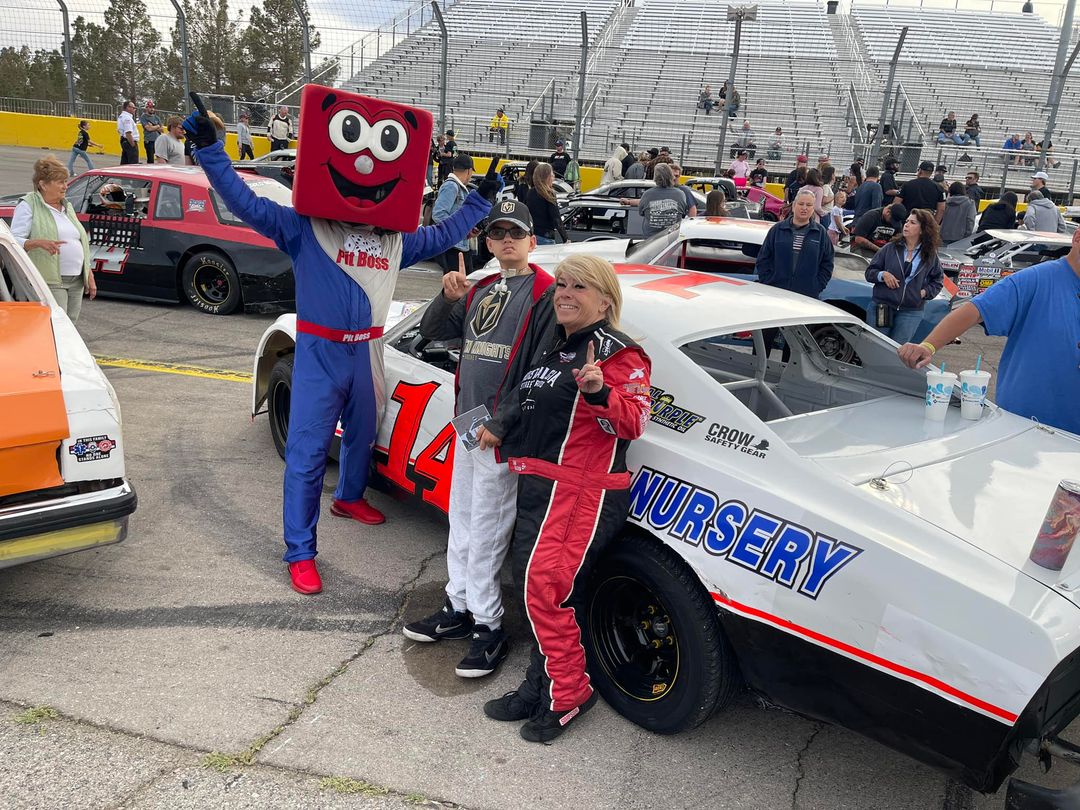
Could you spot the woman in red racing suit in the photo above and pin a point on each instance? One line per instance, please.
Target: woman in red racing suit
(582, 402)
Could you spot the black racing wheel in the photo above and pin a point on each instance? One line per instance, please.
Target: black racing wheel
(210, 283)
(654, 644)
(278, 401)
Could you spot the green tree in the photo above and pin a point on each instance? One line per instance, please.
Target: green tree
(136, 43)
(14, 71)
(270, 53)
(48, 76)
(213, 45)
(92, 58)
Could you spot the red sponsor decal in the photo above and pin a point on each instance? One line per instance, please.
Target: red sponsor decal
(429, 471)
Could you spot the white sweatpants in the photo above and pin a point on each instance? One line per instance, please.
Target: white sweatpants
(483, 505)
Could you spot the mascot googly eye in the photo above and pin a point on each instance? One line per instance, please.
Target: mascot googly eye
(360, 159)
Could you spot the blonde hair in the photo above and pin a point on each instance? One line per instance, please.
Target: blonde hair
(47, 169)
(597, 273)
(543, 180)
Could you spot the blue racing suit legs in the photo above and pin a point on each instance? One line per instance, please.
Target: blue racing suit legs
(332, 380)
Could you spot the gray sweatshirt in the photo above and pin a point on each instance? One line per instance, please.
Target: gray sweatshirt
(1042, 215)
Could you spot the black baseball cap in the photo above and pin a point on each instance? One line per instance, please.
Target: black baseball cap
(897, 212)
(926, 166)
(512, 211)
(461, 162)
(654, 151)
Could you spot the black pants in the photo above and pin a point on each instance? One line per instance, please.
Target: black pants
(149, 147)
(449, 260)
(246, 152)
(129, 152)
(275, 144)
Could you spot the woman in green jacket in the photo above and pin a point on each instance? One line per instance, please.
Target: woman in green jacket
(45, 225)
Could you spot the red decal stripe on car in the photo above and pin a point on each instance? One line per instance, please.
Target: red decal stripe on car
(876, 660)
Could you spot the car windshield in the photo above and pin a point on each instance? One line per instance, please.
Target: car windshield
(644, 251)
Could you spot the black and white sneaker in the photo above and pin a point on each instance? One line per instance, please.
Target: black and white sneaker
(546, 725)
(488, 649)
(509, 707)
(444, 623)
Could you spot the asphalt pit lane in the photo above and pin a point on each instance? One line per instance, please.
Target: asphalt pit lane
(432, 665)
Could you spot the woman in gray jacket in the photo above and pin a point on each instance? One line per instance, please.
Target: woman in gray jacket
(959, 219)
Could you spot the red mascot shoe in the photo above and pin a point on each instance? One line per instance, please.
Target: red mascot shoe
(358, 510)
(305, 577)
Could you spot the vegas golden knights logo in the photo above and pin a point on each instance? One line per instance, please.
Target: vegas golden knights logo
(489, 310)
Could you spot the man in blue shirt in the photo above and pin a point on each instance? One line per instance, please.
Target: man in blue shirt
(1038, 310)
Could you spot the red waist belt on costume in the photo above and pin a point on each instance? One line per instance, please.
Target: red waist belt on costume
(570, 475)
(339, 335)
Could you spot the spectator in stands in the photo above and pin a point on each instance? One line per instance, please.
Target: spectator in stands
(129, 134)
(705, 100)
(815, 186)
(169, 148)
(759, 174)
(691, 200)
(732, 100)
(906, 274)
(715, 204)
(559, 160)
(745, 140)
(498, 126)
(151, 124)
(1042, 214)
(451, 196)
(78, 150)
(637, 170)
(796, 254)
(776, 145)
(959, 220)
(629, 160)
(1049, 154)
(877, 227)
(613, 167)
(947, 131)
(889, 187)
(973, 130)
(1027, 150)
(663, 206)
(1000, 214)
(1038, 183)
(1013, 144)
(1037, 378)
(741, 167)
(836, 218)
(246, 145)
(280, 130)
(870, 195)
(922, 192)
(973, 189)
(543, 206)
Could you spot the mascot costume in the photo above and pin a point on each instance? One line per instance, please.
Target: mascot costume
(360, 169)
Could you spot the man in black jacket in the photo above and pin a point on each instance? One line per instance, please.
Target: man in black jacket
(1000, 214)
(491, 319)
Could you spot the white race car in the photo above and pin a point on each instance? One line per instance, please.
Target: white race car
(799, 527)
(62, 484)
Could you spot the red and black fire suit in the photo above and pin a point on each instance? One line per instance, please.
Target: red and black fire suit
(573, 492)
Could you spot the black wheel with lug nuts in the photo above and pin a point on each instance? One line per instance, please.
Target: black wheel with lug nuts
(278, 401)
(211, 284)
(655, 648)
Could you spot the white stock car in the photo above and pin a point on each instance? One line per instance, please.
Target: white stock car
(62, 484)
(798, 527)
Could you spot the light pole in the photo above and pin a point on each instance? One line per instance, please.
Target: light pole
(735, 14)
(876, 148)
(1057, 80)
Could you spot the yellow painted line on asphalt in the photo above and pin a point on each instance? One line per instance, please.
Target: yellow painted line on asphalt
(174, 368)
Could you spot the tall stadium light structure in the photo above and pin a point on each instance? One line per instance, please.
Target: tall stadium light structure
(445, 63)
(579, 125)
(1057, 80)
(887, 95)
(67, 59)
(299, 5)
(736, 14)
(181, 24)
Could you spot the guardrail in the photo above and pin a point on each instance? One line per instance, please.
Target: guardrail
(39, 106)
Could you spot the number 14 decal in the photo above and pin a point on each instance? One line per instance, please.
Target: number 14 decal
(429, 471)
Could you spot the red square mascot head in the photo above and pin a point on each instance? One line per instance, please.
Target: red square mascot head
(360, 159)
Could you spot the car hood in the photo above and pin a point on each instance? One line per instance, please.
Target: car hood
(992, 490)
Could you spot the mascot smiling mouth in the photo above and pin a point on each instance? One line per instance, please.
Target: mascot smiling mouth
(363, 196)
